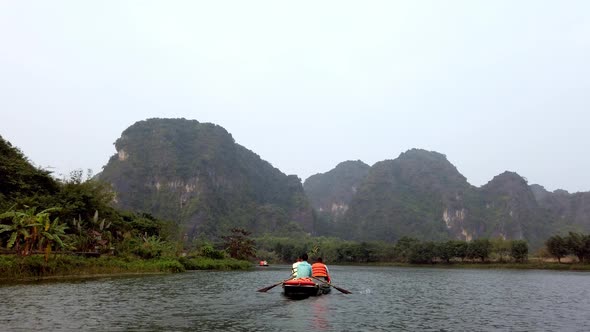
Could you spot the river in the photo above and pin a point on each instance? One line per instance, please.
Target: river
(383, 299)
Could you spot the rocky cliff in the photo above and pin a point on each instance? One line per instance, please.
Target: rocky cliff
(421, 194)
(195, 173)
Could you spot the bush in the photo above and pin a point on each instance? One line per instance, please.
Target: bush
(210, 252)
(203, 263)
(519, 250)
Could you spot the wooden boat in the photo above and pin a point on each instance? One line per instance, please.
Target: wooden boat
(304, 287)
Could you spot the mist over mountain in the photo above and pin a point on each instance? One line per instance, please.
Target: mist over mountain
(195, 173)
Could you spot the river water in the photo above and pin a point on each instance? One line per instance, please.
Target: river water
(383, 299)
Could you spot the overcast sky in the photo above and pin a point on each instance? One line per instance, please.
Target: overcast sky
(494, 85)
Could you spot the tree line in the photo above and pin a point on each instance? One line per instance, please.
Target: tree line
(576, 244)
(405, 250)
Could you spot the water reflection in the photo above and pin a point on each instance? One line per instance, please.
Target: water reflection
(320, 311)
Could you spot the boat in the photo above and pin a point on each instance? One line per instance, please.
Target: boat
(263, 263)
(301, 288)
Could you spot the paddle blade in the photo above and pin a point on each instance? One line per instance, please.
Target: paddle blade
(342, 290)
(266, 289)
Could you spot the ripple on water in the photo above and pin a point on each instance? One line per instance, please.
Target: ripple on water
(383, 299)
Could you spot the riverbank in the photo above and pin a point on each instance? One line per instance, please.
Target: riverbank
(530, 265)
(15, 268)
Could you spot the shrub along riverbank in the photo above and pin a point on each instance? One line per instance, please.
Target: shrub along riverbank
(14, 267)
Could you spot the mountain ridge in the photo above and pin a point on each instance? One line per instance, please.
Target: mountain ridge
(196, 174)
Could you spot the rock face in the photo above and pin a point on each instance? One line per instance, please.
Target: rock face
(511, 210)
(195, 173)
(408, 196)
(332, 192)
(421, 194)
(570, 211)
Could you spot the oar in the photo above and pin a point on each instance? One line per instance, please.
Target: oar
(266, 289)
(342, 290)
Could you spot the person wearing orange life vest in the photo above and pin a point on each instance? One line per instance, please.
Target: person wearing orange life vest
(320, 270)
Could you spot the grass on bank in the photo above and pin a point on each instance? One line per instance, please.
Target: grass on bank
(14, 267)
(204, 263)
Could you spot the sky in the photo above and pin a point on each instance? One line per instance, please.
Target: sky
(493, 85)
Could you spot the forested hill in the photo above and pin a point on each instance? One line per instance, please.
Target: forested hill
(421, 194)
(195, 173)
(331, 192)
(571, 211)
(19, 178)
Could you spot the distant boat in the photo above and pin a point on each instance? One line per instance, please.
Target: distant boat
(263, 263)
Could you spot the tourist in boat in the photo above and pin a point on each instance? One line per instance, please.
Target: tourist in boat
(304, 268)
(294, 268)
(320, 270)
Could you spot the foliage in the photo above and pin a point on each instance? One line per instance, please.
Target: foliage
(196, 175)
(154, 247)
(336, 185)
(460, 249)
(204, 263)
(404, 248)
(501, 247)
(445, 251)
(209, 252)
(19, 178)
(579, 245)
(519, 250)
(480, 248)
(35, 266)
(239, 245)
(423, 253)
(33, 230)
(557, 246)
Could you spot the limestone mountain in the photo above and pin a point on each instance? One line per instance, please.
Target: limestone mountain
(331, 192)
(195, 173)
(421, 194)
(406, 196)
(570, 211)
(511, 210)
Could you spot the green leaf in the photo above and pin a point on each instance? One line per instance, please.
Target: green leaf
(12, 240)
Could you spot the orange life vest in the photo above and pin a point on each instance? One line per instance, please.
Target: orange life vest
(319, 270)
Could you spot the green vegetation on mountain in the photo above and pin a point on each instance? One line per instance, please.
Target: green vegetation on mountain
(407, 196)
(422, 195)
(181, 194)
(47, 226)
(196, 175)
(570, 211)
(19, 179)
(330, 193)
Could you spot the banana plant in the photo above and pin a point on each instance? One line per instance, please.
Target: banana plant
(24, 228)
(53, 233)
